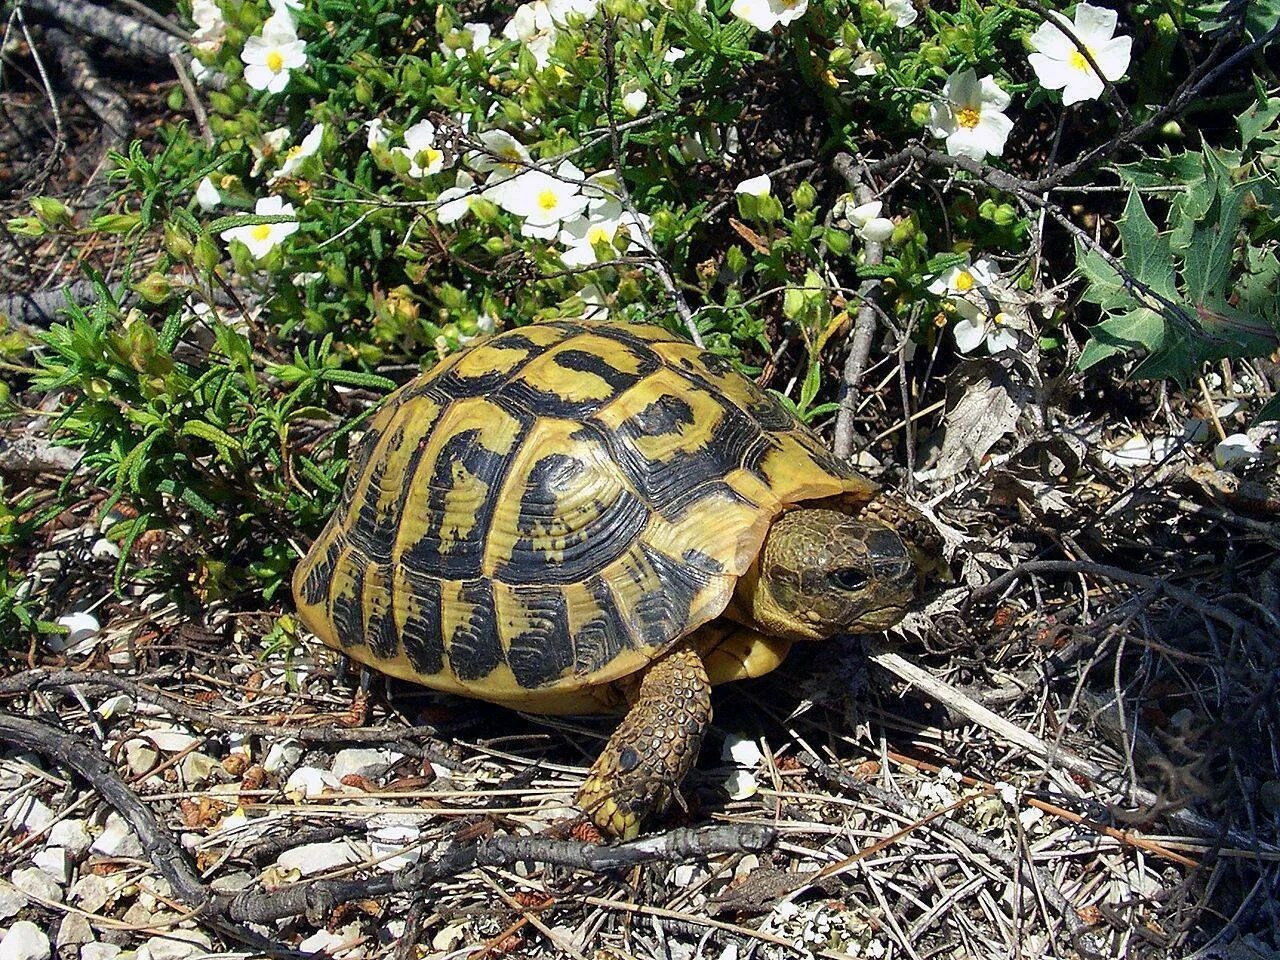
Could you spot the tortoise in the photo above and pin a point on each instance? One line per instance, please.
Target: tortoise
(591, 517)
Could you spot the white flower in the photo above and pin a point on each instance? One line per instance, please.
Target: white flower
(261, 238)
(766, 14)
(634, 97)
(199, 72)
(1059, 64)
(207, 195)
(582, 235)
(269, 58)
(211, 26)
(267, 147)
(533, 25)
(296, 154)
(868, 223)
(455, 203)
(739, 784)
(603, 187)
(904, 11)
(503, 157)
(543, 200)
(760, 186)
(976, 326)
(419, 147)
(562, 11)
(970, 115)
(959, 281)
(1236, 448)
(741, 751)
(285, 5)
(468, 38)
(376, 134)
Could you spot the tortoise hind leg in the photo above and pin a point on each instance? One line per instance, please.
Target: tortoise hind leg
(653, 748)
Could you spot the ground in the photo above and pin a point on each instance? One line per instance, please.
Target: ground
(1084, 765)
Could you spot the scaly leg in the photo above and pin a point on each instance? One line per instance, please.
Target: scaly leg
(653, 748)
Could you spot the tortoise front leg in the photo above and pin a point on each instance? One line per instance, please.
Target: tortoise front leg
(653, 748)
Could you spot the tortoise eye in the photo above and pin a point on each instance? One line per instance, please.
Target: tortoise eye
(848, 578)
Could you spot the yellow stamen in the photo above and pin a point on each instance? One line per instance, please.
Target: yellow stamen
(597, 235)
(262, 231)
(1079, 62)
(548, 200)
(275, 61)
(968, 117)
(964, 281)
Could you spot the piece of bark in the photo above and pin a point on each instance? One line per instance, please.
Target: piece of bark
(138, 39)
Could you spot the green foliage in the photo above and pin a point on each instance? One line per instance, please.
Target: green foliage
(1203, 287)
(269, 294)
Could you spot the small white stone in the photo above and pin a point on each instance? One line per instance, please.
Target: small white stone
(117, 839)
(99, 951)
(338, 943)
(318, 857)
(55, 862)
(169, 739)
(37, 883)
(24, 941)
(79, 625)
(72, 835)
(104, 549)
(389, 842)
(29, 814)
(307, 783)
(284, 754)
(91, 892)
(741, 751)
(11, 901)
(231, 883)
(177, 945)
(364, 762)
(73, 931)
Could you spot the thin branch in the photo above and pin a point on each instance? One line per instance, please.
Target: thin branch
(864, 326)
(138, 39)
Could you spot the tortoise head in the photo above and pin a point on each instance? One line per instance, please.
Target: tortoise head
(822, 572)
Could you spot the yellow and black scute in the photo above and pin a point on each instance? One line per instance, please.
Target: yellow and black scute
(549, 509)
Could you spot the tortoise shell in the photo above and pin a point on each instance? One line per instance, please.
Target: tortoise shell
(553, 507)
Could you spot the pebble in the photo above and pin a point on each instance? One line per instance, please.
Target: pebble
(29, 813)
(364, 762)
(339, 942)
(72, 835)
(81, 627)
(286, 753)
(99, 951)
(169, 739)
(55, 862)
(117, 839)
(24, 941)
(91, 892)
(11, 901)
(178, 945)
(231, 883)
(104, 549)
(72, 931)
(390, 842)
(306, 783)
(317, 857)
(37, 883)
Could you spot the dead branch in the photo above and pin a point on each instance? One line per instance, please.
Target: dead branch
(39, 308)
(161, 848)
(317, 899)
(137, 39)
(35, 454)
(855, 174)
(406, 740)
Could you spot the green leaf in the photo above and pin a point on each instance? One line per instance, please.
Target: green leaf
(1147, 254)
(356, 378)
(1138, 329)
(1107, 288)
(1209, 253)
(1257, 118)
(207, 431)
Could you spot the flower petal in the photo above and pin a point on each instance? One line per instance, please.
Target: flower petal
(969, 333)
(1053, 73)
(1049, 41)
(1094, 25)
(1085, 85)
(1113, 57)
